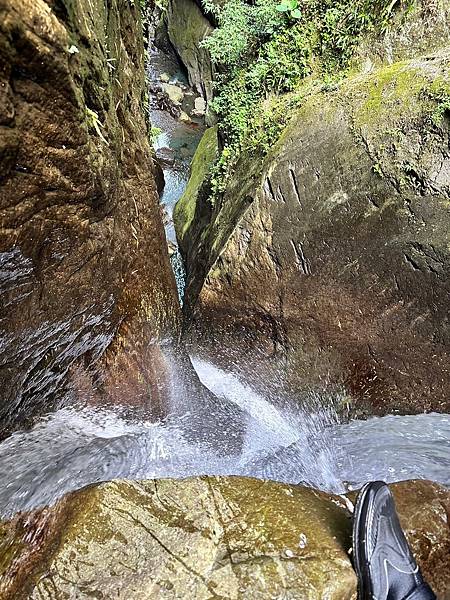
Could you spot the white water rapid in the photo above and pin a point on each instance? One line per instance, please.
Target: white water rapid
(72, 448)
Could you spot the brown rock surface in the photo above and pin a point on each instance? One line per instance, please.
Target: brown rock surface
(204, 537)
(82, 245)
(424, 511)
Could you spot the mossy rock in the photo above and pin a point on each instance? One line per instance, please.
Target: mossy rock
(187, 28)
(202, 162)
(415, 28)
(206, 537)
(199, 538)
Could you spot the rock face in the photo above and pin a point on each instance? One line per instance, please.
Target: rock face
(82, 248)
(332, 255)
(424, 509)
(420, 29)
(187, 27)
(206, 537)
(187, 210)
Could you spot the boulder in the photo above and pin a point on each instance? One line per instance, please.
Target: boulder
(230, 538)
(186, 209)
(424, 509)
(201, 537)
(174, 92)
(328, 260)
(184, 117)
(199, 107)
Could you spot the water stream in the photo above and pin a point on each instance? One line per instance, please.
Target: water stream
(176, 143)
(72, 448)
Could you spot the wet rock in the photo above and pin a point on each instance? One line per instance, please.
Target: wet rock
(165, 78)
(230, 537)
(187, 27)
(424, 511)
(159, 176)
(82, 247)
(199, 107)
(165, 156)
(172, 248)
(329, 257)
(185, 118)
(174, 92)
(190, 204)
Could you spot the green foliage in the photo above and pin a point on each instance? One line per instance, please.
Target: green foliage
(141, 3)
(242, 29)
(291, 7)
(440, 93)
(93, 122)
(155, 132)
(265, 50)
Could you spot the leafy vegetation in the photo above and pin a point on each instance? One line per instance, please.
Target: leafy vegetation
(263, 53)
(440, 94)
(291, 7)
(93, 122)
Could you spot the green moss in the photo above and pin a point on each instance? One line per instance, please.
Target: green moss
(264, 57)
(202, 162)
(392, 88)
(439, 93)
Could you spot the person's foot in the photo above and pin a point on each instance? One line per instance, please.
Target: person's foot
(383, 561)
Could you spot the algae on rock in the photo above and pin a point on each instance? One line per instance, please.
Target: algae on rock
(188, 205)
(187, 27)
(207, 537)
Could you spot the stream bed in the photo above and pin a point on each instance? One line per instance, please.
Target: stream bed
(72, 448)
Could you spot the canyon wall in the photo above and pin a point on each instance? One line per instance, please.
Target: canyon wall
(326, 260)
(82, 247)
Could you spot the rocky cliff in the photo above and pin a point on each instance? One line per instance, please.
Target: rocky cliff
(82, 248)
(187, 27)
(329, 255)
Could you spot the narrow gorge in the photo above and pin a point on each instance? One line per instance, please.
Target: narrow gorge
(224, 276)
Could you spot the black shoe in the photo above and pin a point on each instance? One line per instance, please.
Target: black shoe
(383, 561)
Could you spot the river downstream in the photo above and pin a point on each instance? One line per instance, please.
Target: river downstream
(178, 131)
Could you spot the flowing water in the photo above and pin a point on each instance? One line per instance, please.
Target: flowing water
(176, 143)
(72, 448)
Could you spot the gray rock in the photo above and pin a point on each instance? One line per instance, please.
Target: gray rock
(187, 27)
(174, 92)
